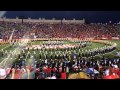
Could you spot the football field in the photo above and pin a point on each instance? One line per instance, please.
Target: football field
(15, 49)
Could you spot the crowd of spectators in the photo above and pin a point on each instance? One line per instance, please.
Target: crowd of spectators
(105, 68)
(58, 30)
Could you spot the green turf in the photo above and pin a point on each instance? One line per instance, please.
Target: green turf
(112, 54)
(92, 46)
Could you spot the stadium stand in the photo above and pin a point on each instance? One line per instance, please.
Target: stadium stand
(84, 68)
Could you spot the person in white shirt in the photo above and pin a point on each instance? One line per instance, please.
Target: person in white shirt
(2, 73)
(67, 69)
(115, 66)
(46, 61)
(53, 77)
(107, 72)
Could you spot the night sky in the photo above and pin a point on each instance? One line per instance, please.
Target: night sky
(91, 16)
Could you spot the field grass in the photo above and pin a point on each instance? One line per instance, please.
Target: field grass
(112, 54)
(93, 45)
(117, 50)
(5, 47)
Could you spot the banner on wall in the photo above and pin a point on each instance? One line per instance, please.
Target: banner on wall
(103, 38)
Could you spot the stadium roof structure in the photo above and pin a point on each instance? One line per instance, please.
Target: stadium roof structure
(91, 16)
(42, 20)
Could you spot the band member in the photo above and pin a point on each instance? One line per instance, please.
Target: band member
(28, 48)
(40, 56)
(51, 57)
(32, 49)
(23, 62)
(37, 48)
(19, 56)
(46, 55)
(2, 53)
(24, 54)
(34, 55)
(10, 54)
(75, 55)
(63, 55)
(28, 54)
(79, 55)
(66, 55)
(6, 53)
(55, 56)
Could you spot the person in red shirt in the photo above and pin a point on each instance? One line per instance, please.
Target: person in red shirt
(49, 71)
(17, 73)
(45, 69)
(115, 70)
(8, 71)
(60, 69)
(54, 69)
(118, 73)
(63, 75)
(111, 75)
(37, 70)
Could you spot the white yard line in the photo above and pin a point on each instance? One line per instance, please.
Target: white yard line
(8, 46)
(4, 48)
(16, 51)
